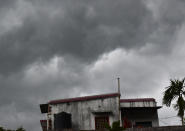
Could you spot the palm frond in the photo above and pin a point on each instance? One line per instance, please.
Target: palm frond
(176, 90)
(176, 107)
(181, 106)
(173, 91)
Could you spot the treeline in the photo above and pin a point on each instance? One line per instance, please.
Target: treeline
(18, 129)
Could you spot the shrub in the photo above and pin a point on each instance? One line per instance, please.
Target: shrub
(115, 126)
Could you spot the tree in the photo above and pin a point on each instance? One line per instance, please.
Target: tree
(176, 91)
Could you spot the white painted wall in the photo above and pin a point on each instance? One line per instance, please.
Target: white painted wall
(146, 114)
(138, 104)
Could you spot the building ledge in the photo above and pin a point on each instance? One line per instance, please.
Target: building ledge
(157, 107)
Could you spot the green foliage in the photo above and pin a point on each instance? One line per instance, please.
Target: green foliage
(18, 129)
(176, 91)
(2, 129)
(115, 126)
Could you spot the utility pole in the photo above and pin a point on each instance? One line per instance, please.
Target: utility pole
(118, 85)
(119, 99)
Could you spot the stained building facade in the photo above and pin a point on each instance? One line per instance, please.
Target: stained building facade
(87, 113)
(141, 112)
(94, 112)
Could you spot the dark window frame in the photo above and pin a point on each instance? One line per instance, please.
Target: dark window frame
(97, 118)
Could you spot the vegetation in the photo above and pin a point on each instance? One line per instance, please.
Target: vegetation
(115, 126)
(18, 129)
(176, 91)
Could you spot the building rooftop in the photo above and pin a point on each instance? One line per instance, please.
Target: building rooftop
(44, 107)
(84, 98)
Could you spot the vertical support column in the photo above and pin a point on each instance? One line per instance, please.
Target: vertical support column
(119, 99)
(49, 121)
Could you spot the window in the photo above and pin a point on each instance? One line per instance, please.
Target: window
(49, 124)
(144, 124)
(44, 124)
(101, 121)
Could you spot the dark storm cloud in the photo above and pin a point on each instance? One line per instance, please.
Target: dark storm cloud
(78, 33)
(84, 30)
(6, 3)
(22, 93)
(172, 13)
(170, 17)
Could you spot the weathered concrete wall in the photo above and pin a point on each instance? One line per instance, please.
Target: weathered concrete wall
(83, 117)
(166, 128)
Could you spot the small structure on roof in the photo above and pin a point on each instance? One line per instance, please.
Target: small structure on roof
(93, 112)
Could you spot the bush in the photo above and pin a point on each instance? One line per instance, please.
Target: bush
(18, 129)
(2, 129)
(115, 126)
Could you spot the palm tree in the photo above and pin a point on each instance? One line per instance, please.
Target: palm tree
(176, 91)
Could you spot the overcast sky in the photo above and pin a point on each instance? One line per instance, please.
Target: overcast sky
(53, 49)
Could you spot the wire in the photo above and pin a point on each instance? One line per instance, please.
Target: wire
(168, 117)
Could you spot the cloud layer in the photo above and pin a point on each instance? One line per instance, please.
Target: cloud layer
(84, 30)
(59, 49)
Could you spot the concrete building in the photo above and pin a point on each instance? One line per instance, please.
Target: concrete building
(140, 112)
(87, 113)
(93, 112)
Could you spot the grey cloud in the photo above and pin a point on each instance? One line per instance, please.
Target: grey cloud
(6, 3)
(84, 30)
(170, 17)
(22, 93)
(172, 13)
(80, 33)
